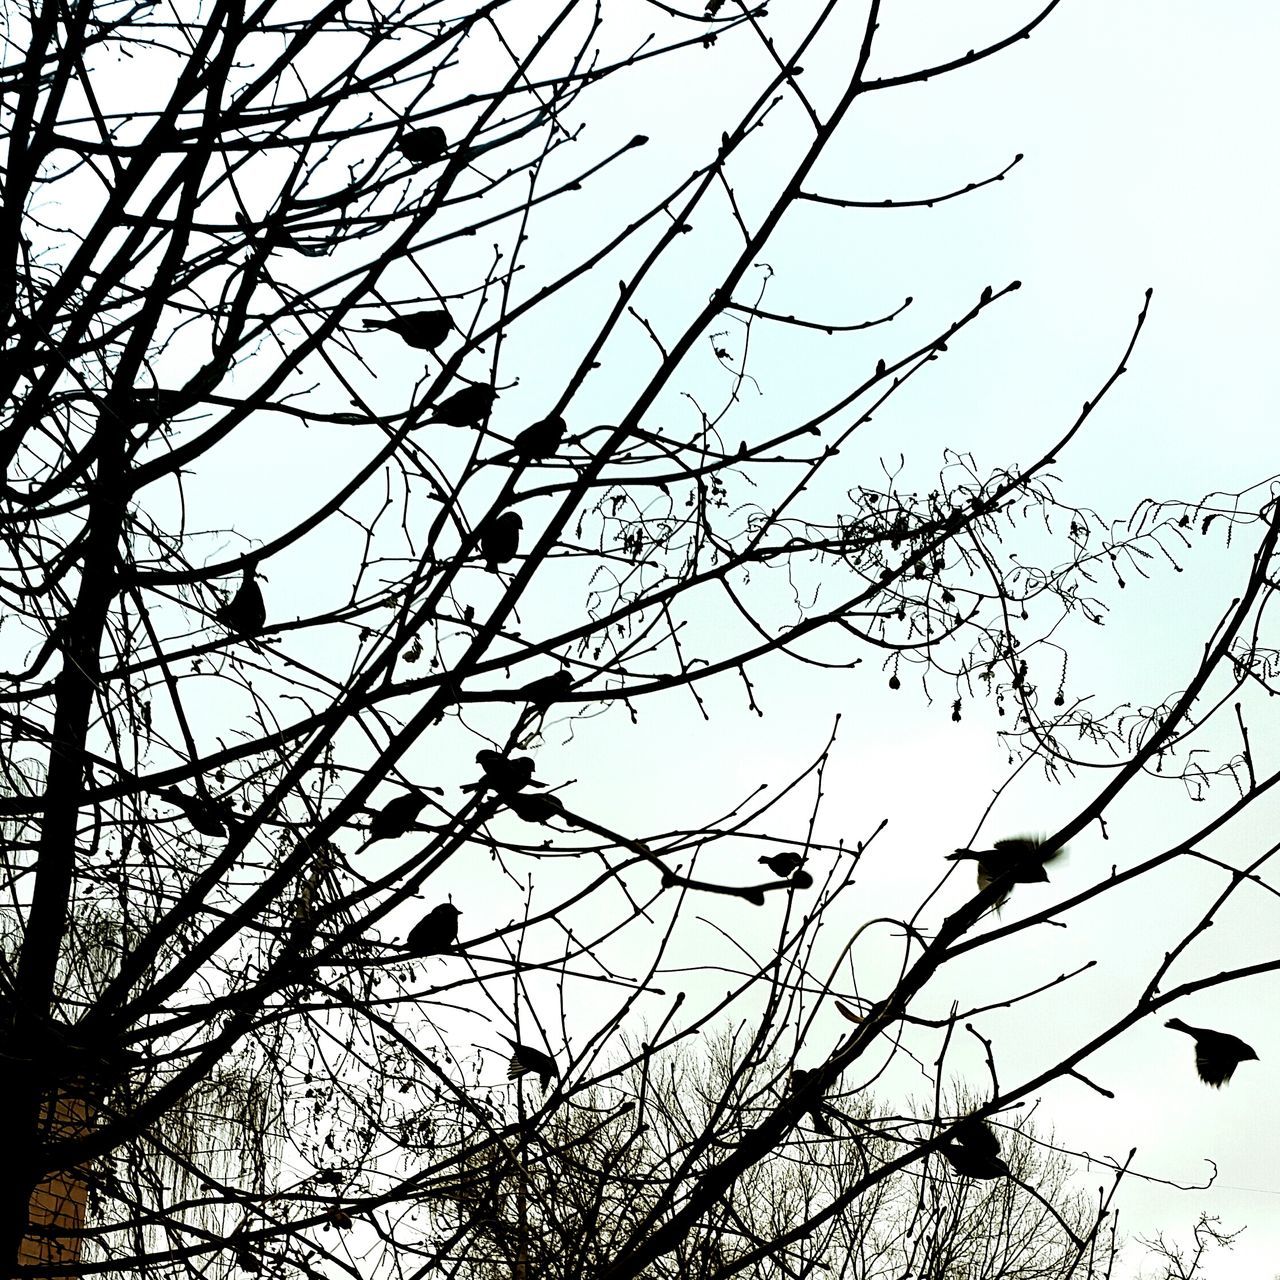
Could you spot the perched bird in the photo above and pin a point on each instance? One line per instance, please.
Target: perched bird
(154, 404)
(782, 864)
(540, 440)
(466, 408)
(437, 931)
(500, 539)
(974, 1164)
(506, 773)
(208, 816)
(800, 1078)
(423, 146)
(535, 808)
(801, 880)
(396, 817)
(246, 612)
(1016, 860)
(1217, 1053)
(974, 1150)
(977, 1135)
(548, 689)
(526, 1060)
(425, 330)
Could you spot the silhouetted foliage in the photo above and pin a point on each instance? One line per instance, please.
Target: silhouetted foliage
(214, 1052)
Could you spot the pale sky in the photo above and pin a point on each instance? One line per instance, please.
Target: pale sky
(1145, 129)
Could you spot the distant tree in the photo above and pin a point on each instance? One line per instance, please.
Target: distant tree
(300, 309)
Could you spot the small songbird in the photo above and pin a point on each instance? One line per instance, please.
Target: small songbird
(396, 817)
(505, 773)
(425, 330)
(466, 408)
(540, 440)
(535, 808)
(526, 1060)
(500, 539)
(208, 816)
(548, 689)
(150, 405)
(1015, 860)
(246, 612)
(423, 146)
(974, 1151)
(436, 932)
(783, 864)
(800, 1077)
(974, 1164)
(1217, 1053)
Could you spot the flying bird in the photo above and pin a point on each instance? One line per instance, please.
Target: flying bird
(1217, 1053)
(246, 612)
(525, 1060)
(500, 539)
(1015, 860)
(425, 330)
(423, 146)
(782, 864)
(436, 932)
(466, 408)
(396, 817)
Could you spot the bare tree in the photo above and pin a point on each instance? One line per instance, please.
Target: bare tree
(339, 468)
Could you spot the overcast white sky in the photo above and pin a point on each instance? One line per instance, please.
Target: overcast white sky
(1147, 129)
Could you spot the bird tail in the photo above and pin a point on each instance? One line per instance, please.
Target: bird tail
(1178, 1025)
(961, 854)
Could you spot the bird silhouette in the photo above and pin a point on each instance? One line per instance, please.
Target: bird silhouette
(149, 405)
(396, 817)
(425, 330)
(974, 1164)
(208, 816)
(466, 408)
(535, 808)
(548, 689)
(977, 1135)
(1015, 860)
(500, 539)
(800, 1079)
(423, 146)
(525, 1060)
(437, 931)
(246, 612)
(801, 880)
(541, 440)
(974, 1150)
(1217, 1053)
(504, 774)
(782, 864)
